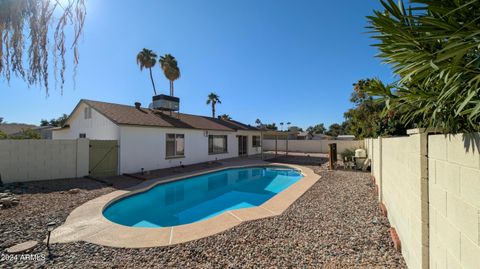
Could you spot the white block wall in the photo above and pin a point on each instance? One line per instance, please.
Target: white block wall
(29, 160)
(445, 231)
(454, 191)
(311, 146)
(401, 189)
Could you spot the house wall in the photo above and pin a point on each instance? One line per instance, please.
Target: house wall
(250, 149)
(144, 147)
(98, 127)
(430, 185)
(29, 160)
(312, 146)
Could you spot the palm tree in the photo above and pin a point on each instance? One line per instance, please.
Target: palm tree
(147, 59)
(281, 126)
(225, 117)
(258, 122)
(169, 65)
(213, 99)
(433, 51)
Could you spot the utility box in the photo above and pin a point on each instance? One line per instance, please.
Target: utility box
(360, 153)
(166, 102)
(360, 157)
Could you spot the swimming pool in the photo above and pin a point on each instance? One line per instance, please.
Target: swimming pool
(201, 197)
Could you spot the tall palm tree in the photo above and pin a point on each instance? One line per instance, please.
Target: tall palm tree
(170, 68)
(281, 126)
(213, 99)
(147, 59)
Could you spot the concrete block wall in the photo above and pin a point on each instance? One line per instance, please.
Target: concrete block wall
(376, 159)
(401, 192)
(29, 160)
(454, 191)
(430, 185)
(311, 146)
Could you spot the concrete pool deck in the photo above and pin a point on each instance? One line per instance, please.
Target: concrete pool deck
(87, 223)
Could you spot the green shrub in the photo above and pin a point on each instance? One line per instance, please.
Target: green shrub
(26, 134)
(348, 153)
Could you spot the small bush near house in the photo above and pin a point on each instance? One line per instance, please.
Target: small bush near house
(348, 153)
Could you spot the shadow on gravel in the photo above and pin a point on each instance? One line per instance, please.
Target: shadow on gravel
(116, 182)
(301, 160)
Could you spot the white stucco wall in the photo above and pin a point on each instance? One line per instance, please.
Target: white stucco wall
(250, 149)
(144, 147)
(98, 127)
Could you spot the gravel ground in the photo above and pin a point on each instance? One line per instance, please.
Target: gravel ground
(335, 224)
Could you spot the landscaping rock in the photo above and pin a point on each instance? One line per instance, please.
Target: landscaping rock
(22, 248)
(74, 191)
(8, 201)
(337, 223)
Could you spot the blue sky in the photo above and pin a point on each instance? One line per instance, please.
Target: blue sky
(277, 60)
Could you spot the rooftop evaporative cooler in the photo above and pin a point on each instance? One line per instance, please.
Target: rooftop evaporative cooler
(165, 102)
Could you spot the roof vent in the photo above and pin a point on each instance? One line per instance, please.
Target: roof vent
(138, 105)
(166, 102)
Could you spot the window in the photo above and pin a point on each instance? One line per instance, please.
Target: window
(175, 146)
(82, 135)
(88, 113)
(256, 141)
(217, 144)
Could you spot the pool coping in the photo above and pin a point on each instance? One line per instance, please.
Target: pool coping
(87, 222)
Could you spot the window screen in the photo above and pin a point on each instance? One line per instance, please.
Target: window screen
(175, 145)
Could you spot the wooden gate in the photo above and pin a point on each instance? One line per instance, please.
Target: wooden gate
(103, 158)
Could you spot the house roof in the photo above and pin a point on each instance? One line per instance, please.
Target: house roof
(321, 135)
(346, 136)
(130, 115)
(303, 133)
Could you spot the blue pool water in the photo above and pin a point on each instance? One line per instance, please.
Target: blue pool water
(201, 197)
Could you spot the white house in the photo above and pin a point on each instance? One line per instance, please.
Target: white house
(151, 139)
